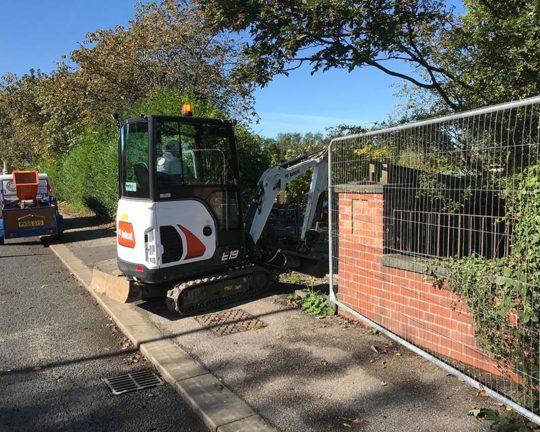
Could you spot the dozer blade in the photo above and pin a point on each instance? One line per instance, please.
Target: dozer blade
(313, 265)
(197, 295)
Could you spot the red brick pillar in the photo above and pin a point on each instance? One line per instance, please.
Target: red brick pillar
(360, 245)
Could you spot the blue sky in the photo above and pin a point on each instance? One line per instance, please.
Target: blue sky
(305, 103)
(36, 34)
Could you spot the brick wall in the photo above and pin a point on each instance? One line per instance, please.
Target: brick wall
(403, 301)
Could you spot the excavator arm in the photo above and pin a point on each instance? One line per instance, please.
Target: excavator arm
(274, 180)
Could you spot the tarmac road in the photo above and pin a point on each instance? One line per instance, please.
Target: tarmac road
(56, 345)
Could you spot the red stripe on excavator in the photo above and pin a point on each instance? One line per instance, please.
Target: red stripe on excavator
(195, 248)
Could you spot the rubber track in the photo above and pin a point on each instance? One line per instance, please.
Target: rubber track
(174, 294)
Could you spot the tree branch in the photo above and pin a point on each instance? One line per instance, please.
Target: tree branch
(419, 58)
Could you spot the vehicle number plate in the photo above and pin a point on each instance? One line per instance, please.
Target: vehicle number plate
(31, 223)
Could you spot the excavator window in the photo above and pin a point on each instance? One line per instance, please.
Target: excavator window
(226, 209)
(190, 154)
(134, 146)
(167, 158)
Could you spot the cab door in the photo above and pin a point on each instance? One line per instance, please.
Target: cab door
(135, 216)
(196, 191)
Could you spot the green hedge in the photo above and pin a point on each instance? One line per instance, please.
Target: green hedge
(87, 177)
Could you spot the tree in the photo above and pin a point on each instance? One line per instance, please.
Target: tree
(287, 146)
(342, 130)
(489, 54)
(495, 48)
(167, 45)
(254, 158)
(342, 34)
(20, 118)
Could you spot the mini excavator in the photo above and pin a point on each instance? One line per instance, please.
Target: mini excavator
(179, 216)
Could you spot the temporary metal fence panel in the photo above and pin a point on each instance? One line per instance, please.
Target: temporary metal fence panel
(435, 240)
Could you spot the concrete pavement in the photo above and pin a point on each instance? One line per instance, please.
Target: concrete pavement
(56, 345)
(298, 373)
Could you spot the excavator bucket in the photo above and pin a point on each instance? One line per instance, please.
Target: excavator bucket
(315, 265)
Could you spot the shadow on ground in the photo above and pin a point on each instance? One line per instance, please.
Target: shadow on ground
(79, 229)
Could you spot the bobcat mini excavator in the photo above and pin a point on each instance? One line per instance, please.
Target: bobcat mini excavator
(179, 214)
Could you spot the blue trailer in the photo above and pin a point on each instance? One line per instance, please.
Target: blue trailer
(24, 215)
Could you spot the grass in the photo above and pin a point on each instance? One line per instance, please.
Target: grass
(313, 303)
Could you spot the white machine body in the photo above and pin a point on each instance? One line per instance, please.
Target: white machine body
(142, 223)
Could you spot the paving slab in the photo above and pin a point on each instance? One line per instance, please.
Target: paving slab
(308, 374)
(172, 362)
(216, 404)
(249, 424)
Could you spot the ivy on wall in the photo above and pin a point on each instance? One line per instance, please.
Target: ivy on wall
(503, 294)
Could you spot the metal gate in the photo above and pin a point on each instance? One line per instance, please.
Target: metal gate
(435, 241)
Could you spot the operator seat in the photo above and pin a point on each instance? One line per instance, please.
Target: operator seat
(142, 175)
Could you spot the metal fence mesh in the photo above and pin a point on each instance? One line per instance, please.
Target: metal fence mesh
(435, 236)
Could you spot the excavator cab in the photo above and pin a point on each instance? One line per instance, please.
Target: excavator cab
(179, 212)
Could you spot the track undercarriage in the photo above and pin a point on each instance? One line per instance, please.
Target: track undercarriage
(196, 295)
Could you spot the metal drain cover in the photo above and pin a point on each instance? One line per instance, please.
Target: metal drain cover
(230, 322)
(133, 382)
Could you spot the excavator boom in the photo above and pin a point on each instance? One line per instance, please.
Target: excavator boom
(274, 180)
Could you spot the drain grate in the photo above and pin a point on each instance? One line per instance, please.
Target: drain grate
(134, 381)
(230, 322)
